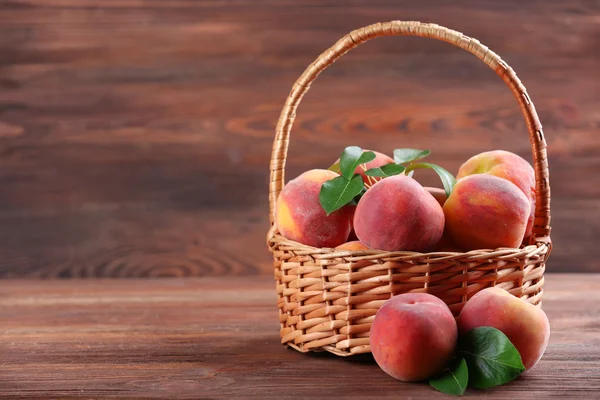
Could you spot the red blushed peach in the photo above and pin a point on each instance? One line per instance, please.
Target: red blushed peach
(379, 161)
(524, 324)
(397, 213)
(509, 166)
(300, 217)
(413, 336)
(486, 212)
(354, 246)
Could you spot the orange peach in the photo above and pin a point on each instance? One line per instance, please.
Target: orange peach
(509, 166)
(354, 246)
(300, 217)
(524, 324)
(397, 213)
(486, 212)
(413, 336)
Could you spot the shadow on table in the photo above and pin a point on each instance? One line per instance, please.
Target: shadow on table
(356, 359)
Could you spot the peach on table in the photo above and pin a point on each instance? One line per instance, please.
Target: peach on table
(525, 325)
(413, 336)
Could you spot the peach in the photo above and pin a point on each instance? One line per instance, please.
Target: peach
(379, 161)
(438, 194)
(300, 217)
(524, 324)
(509, 166)
(397, 213)
(413, 336)
(486, 212)
(354, 246)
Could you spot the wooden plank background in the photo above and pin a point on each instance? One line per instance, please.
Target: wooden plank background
(135, 135)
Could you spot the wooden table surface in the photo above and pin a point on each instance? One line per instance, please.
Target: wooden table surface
(135, 135)
(218, 338)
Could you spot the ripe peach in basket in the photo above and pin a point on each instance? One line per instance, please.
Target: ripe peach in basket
(524, 324)
(486, 212)
(413, 336)
(300, 217)
(397, 213)
(353, 246)
(509, 166)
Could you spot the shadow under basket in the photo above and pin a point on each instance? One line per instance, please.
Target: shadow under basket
(328, 298)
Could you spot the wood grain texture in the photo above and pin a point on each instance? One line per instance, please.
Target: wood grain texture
(217, 338)
(135, 135)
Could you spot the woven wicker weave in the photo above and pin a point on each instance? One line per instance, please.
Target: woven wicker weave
(328, 298)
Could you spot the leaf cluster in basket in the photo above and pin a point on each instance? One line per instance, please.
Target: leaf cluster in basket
(372, 197)
(498, 336)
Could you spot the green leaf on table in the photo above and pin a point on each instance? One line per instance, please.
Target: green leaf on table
(491, 357)
(454, 380)
(386, 170)
(336, 168)
(406, 155)
(351, 158)
(339, 191)
(447, 178)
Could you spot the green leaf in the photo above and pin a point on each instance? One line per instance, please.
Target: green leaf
(454, 380)
(447, 178)
(492, 359)
(339, 191)
(405, 155)
(351, 158)
(386, 170)
(359, 196)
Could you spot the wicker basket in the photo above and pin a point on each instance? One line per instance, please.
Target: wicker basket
(328, 298)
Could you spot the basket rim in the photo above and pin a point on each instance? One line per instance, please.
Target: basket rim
(324, 253)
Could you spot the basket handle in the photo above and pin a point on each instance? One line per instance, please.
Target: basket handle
(541, 228)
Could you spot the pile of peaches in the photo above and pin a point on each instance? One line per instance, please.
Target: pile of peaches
(377, 205)
(496, 338)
